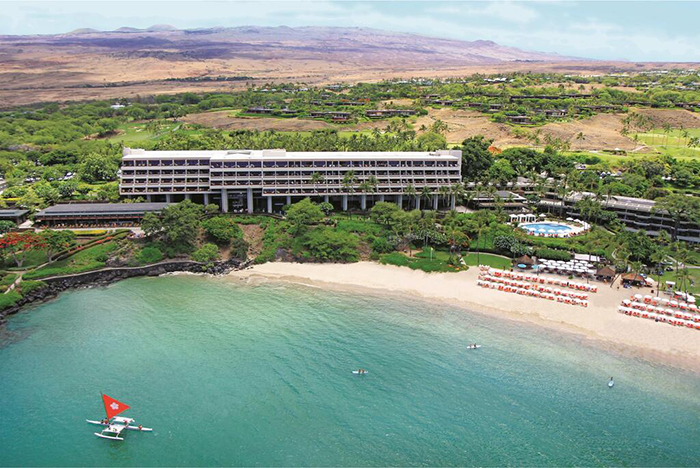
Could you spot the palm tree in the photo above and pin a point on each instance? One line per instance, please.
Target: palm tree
(457, 191)
(373, 183)
(683, 278)
(348, 183)
(658, 258)
(444, 192)
(426, 193)
(667, 131)
(317, 178)
(349, 180)
(411, 191)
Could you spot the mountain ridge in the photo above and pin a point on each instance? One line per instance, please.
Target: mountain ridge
(334, 40)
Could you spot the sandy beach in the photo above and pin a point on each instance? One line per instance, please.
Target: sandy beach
(600, 321)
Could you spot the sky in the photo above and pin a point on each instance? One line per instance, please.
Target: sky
(623, 30)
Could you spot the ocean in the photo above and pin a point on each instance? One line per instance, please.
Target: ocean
(229, 373)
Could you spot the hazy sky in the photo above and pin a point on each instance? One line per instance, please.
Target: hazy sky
(640, 31)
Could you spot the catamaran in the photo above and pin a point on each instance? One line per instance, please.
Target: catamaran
(116, 425)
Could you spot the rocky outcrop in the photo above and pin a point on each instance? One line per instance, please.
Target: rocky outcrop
(57, 284)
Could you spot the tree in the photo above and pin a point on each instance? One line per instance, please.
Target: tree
(97, 167)
(206, 253)
(658, 258)
(316, 179)
(680, 208)
(476, 157)
(19, 244)
(56, 241)
(151, 224)
(382, 212)
(326, 207)
(47, 192)
(303, 214)
(30, 200)
(6, 226)
(431, 141)
(178, 225)
(501, 172)
(222, 229)
(457, 240)
(349, 181)
(67, 188)
(325, 244)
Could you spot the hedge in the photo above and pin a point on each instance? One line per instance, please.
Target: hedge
(552, 254)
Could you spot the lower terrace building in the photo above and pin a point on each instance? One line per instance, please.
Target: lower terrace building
(637, 214)
(266, 180)
(96, 214)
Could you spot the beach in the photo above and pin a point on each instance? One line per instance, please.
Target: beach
(599, 322)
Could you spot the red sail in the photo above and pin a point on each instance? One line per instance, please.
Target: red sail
(113, 407)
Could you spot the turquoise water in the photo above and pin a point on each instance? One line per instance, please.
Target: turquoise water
(234, 374)
(537, 227)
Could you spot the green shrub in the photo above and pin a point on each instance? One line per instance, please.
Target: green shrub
(7, 280)
(150, 254)
(273, 238)
(325, 244)
(222, 229)
(28, 286)
(9, 299)
(383, 245)
(239, 249)
(206, 253)
(552, 254)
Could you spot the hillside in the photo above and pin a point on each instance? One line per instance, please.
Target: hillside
(89, 64)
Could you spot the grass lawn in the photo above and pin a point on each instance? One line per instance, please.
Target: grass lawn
(91, 258)
(694, 276)
(674, 143)
(491, 260)
(136, 132)
(32, 259)
(422, 261)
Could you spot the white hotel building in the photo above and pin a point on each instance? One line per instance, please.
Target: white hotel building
(266, 180)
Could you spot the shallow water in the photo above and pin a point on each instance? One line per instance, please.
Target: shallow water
(235, 374)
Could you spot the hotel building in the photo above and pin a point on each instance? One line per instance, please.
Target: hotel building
(636, 214)
(266, 180)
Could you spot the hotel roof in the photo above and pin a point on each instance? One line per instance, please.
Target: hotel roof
(77, 209)
(134, 153)
(12, 213)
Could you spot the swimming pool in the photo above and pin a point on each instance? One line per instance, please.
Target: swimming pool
(558, 228)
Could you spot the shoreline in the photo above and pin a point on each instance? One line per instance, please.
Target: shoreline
(599, 324)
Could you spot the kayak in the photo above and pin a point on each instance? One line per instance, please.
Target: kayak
(474, 347)
(360, 373)
(611, 384)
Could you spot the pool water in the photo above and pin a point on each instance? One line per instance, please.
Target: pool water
(546, 227)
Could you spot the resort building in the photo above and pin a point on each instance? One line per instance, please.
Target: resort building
(96, 214)
(636, 214)
(509, 201)
(17, 216)
(266, 180)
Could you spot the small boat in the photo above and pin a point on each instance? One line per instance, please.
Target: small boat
(474, 346)
(115, 425)
(611, 384)
(128, 422)
(360, 372)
